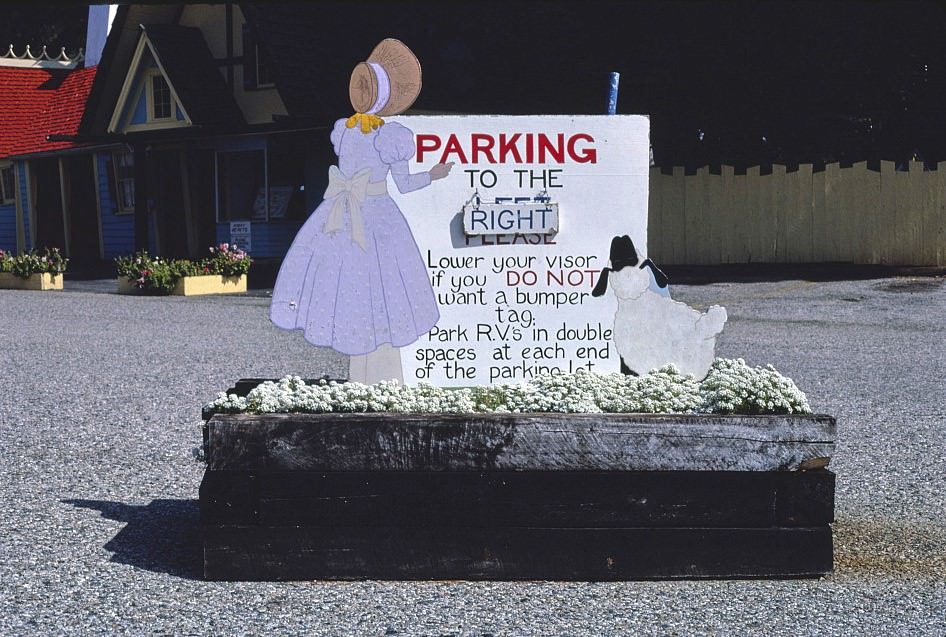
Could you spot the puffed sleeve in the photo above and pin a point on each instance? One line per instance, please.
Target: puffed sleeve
(336, 135)
(395, 146)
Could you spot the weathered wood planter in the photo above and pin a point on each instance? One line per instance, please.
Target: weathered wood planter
(195, 285)
(537, 496)
(38, 281)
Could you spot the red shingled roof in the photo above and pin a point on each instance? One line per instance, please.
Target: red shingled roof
(35, 103)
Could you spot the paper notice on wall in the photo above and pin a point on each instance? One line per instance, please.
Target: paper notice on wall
(515, 238)
(241, 234)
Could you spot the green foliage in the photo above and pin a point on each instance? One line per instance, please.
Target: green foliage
(155, 275)
(25, 265)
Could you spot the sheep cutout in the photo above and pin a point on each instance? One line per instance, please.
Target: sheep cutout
(651, 330)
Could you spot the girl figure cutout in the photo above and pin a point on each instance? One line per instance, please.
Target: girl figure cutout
(354, 279)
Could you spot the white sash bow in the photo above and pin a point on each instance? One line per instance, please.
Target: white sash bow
(350, 193)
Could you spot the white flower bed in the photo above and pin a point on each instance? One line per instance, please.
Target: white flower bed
(731, 386)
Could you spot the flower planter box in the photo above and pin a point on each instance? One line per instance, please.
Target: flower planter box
(516, 496)
(38, 281)
(195, 285)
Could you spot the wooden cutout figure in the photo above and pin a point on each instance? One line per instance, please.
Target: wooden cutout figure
(651, 330)
(354, 279)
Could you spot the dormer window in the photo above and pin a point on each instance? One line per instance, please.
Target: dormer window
(160, 101)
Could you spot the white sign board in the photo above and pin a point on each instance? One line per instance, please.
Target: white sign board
(241, 234)
(516, 301)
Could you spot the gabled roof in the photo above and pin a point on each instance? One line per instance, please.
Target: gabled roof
(192, 73)
(116, 57)
(35, 103)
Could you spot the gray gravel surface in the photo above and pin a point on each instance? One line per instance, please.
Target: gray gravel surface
(100, 398)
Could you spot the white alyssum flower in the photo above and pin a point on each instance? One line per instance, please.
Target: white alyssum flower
(730, 387)
(733, 387)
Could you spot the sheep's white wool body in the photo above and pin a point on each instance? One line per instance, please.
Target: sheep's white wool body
(651, 330)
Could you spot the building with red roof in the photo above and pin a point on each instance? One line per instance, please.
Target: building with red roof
(44, 176)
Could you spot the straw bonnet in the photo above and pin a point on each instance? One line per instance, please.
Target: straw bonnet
(388, 82)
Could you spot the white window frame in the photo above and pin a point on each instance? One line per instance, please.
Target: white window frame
(117, 182)
(5, 196)
(149, 77)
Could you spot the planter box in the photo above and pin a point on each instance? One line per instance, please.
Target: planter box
(516, 496)
(39, 281)
(195, 285)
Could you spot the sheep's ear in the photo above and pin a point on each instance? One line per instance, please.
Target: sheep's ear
(602, 285)
(661, 278)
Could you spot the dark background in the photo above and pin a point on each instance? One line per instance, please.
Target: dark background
(738, 82)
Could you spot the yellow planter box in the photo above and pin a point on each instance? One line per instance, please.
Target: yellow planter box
(195, 285)
(210, 284)
(39, 281)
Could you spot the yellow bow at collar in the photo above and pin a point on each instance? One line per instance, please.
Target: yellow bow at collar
(367, 121)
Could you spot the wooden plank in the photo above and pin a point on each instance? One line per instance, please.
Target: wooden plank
(655, 224)
(833, 201)
(726, 222)
(518, 442)
(693, 217)
(229, 497)
(775, 213)
(713, 196)
(939, 186)
(503, 498)
(889, 237)
(754, 217)
(931, 219)
(872, 227)
(797, 236)
(739, 238)
(819, 216)
(674, 217)
(859, 213)
(908, 208)
(410, 553)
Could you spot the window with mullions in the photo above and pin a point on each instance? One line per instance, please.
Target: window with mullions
(7, 184)
(161, 103)
(123, 178)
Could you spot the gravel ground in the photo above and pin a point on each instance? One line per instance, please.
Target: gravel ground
(100, 399)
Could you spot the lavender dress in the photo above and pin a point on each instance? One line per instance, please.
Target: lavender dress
(354, 278)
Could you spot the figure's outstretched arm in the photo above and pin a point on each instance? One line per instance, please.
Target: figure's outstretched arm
(407, 182)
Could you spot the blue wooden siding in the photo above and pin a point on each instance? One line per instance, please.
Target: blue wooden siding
(140, 113)
(270, 240)
(118, 231)
(8, 227)
(25, 204)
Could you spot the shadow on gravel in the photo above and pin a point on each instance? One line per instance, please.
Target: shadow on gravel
(163, 536)
(879, 547)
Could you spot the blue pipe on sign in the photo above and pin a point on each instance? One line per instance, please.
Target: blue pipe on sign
(613, 93)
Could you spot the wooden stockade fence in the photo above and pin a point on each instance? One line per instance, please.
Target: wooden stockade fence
(845, 215)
